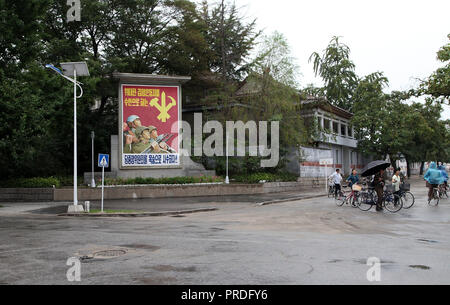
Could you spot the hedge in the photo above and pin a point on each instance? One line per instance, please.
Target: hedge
(37, 182)
(267, 177)
(150, 181)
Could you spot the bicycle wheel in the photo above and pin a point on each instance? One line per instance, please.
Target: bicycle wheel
(330, 192)
(340, 199)
(365, 202)
(408, 200)
(443, 193)
(393, 203)
(435, 200)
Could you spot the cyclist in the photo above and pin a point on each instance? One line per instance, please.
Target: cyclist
(336, 178)
(444, 174)
(353, 179)
(434, 178)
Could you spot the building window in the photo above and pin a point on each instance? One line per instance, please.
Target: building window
(336, 127)
(350, 132)
(326, 124)
(319, 122)
(343, 130)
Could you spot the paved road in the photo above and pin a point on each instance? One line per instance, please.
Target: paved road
(301, 242)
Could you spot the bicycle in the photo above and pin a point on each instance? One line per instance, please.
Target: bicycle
(369, 198)
(331, 191)
(392, 202)
(434, 200)
(443, 191)
(342, 198)
(408, 198)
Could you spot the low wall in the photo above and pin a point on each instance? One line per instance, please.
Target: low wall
(175, 191)
(148, 191)
(20, 194)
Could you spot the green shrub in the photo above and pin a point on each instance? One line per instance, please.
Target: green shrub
(68, 181)
(169, 181)
(37, 182)
(267, 177)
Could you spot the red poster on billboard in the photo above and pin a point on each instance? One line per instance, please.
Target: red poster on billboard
(150, 124)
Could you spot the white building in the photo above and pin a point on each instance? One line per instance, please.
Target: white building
(333, 139)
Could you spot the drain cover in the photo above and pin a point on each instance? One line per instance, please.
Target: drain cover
(109, 253)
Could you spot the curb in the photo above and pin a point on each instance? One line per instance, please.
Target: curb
(289, 200)
(129, 215)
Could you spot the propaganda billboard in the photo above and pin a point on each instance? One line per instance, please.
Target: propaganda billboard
(150, 118)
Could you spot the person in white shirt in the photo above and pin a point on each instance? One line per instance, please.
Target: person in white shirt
(336, 178)
(396, 181)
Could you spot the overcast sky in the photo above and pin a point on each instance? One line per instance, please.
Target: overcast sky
(397, 37)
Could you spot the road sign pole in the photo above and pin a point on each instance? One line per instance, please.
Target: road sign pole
(103, 185)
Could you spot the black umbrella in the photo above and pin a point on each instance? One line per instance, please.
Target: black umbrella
(374, 167)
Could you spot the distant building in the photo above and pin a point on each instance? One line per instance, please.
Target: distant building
(333, 138)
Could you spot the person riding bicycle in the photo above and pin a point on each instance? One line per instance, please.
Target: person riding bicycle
(444, 173)
(336, 178)
(434, 178)
(353, 179)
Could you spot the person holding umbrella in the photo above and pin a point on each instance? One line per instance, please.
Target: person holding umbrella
(377, 168)
(378, 183)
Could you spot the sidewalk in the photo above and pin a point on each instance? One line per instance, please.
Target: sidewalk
(168, 204)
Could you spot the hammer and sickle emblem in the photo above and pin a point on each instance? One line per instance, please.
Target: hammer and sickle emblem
(163, 108)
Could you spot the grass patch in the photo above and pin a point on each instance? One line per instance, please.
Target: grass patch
(1, 206)
(114, 212)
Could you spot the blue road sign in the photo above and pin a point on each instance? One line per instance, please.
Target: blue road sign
(103, 160)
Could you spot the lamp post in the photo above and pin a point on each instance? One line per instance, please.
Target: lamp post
(93, 177)
(227, 179)
(75, 69)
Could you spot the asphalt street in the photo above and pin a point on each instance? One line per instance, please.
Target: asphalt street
(309, 241)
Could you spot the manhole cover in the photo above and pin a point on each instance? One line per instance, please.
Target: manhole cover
(109, 253)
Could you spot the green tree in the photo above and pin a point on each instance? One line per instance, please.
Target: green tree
(438, 84)
(370, 111)
(230, 38)
(275, 58)
(338, 73)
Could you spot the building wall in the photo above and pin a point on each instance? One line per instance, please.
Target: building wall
(344, 158)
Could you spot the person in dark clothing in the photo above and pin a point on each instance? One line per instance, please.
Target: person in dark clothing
(378, 182)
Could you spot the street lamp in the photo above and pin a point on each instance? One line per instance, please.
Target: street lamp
(75, 69)
(227, 179)
(93, 175)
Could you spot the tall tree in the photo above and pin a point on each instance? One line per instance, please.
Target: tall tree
(275, 57)
(370, 110)
(338, 73)
(438, 84)
(230, 38)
